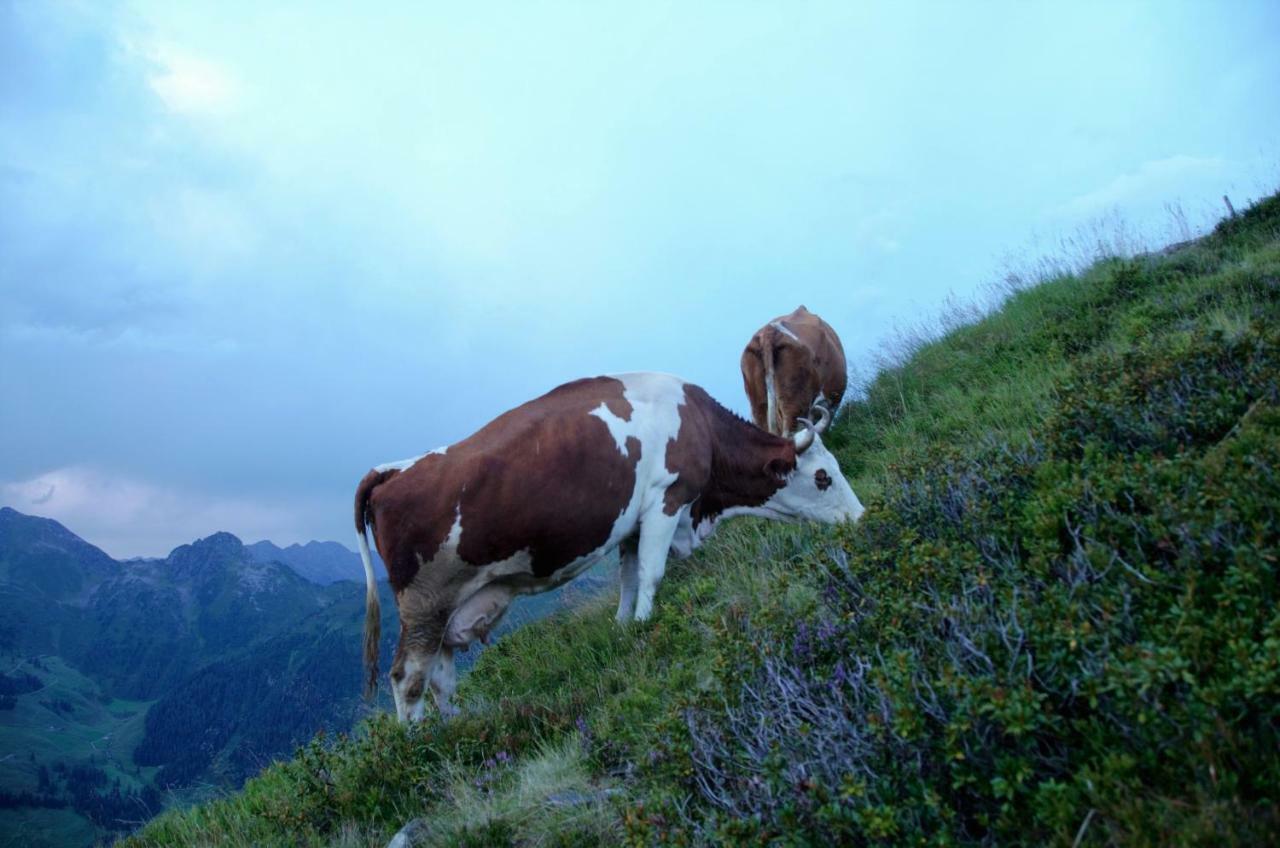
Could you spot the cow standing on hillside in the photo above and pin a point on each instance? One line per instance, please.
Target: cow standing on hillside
(644, 463)
(790, 364)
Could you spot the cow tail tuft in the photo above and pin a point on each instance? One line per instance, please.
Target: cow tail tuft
(372, 609)
(772, 421)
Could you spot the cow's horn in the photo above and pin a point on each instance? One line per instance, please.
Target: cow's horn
(824, 416)
(806, 436)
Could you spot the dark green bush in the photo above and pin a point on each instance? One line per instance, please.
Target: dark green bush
(1020, 638)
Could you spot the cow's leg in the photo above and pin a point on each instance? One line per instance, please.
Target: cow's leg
(656, 532)
(444, 680)
(425, 607)
(628, 578)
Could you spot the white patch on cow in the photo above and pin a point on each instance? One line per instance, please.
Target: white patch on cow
(656, 533)
(801, 499)
(782, 328)
(417, 666)
(617, 427)
(450, 545)
(656, 400)
(406, 464)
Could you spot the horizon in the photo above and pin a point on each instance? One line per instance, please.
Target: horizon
(237, 273)
(195, 540)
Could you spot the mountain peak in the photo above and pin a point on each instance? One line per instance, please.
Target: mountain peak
(220, 539)
(217, 549)
(22, 535)
(319, 562)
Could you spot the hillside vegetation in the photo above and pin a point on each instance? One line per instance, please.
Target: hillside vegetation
(1056, 624)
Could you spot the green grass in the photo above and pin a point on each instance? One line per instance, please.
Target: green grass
(1057, 622)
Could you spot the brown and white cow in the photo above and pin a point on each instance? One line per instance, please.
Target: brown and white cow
(790, 364)
(645, 463)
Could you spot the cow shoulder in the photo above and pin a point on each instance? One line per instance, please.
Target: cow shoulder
(690, 453)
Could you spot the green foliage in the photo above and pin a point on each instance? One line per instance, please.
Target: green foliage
(1057, 622)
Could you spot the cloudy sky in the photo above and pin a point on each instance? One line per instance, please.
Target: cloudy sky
(248, 250)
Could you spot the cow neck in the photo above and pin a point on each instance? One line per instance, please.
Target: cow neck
(740, 453)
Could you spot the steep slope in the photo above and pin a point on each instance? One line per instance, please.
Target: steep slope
(1057, 622)
(41, 554)
(45, 570)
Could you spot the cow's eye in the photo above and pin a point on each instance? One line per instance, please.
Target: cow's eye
(397, 675)
(822, 479)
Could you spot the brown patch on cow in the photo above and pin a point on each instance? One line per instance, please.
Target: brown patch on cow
(371, 481)
(396, 516)
(546, 477)
(804, 367)
(753, 380)
(722, 461)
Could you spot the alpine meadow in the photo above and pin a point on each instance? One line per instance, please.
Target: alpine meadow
(1057, 622)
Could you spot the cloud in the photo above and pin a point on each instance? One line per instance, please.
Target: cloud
(191, 84)
(127, 516)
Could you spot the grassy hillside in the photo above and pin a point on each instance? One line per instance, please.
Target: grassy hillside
(61, 719)
(1057, 622)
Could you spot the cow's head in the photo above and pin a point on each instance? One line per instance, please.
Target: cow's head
(816, 490)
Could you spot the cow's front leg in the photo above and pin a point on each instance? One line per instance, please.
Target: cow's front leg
(656, 532)
(628, 579)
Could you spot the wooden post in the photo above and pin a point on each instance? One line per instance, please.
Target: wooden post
(1231, 210)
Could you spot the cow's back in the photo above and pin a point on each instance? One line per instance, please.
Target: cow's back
(550, 478)
(825, 347)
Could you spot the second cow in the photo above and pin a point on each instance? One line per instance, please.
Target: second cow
(790, 364)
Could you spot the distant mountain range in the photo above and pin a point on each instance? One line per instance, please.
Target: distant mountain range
(319, 562)
(124, 681)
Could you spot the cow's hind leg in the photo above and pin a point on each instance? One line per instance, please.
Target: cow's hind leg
(444, 680)
(656, 531)
(628, 579)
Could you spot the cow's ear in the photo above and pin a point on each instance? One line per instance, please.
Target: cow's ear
(778, 468)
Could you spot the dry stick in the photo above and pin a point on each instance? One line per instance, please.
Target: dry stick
(1084, 825)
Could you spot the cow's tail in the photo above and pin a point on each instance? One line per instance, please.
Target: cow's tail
(372, 610)
(770, 391)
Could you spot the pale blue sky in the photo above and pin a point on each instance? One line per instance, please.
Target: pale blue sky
(248, 250)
